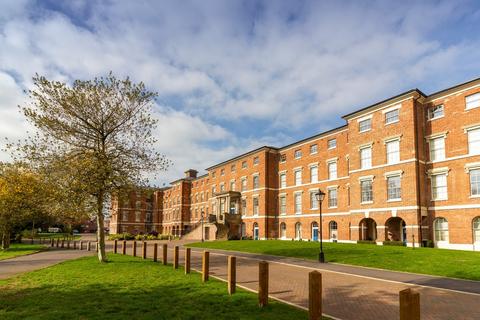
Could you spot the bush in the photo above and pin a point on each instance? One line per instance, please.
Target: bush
(366, 242)
(121, 236)
(393, 243)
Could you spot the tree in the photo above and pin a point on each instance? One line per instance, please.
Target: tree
(99, 133)
(23, 195)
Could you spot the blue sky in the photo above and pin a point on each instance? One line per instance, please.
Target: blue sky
(235, 75)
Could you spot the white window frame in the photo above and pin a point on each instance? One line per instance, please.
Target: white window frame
(297, 154)
(470, 142)
(472, 101)
(433, 151)
(391, 158)
(363, 121)
(332, 202)
(432, 110)
(256, 185)
(388, 118)
(477, 182)
(298, 180)
(434, 186)
(332, 174)
(313, 200)
(283, 180)
(282, 204)
(256, 208)
(370, 200)
(314, 178)
(394, 176)
(314, 149)
(297, 202)
(363, 162)
(332, 143)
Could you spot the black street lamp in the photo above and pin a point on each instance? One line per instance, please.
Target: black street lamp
(202, 214)
(320, 196)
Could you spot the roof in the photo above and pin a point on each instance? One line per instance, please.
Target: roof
(376, 104)
(241, 156)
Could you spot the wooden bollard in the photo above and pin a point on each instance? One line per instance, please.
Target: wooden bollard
(68, 244)
(164, 254)
(52, 242)
(315, 295)
(81, 245)
(63, 243)
(134, 248)
(124, 247)
(115, 246)
(205, 265)
(97, 246)
(74, 245)
(409, 305)
(262, 283)
(144, 250)
(175, 257)
(89, 246)
(188, 253)
(155, 252)
(58, 242)
(232, 274)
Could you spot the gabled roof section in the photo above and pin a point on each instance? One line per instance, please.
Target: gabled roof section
(455, 88)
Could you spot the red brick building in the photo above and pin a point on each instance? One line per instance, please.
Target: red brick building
(403, 169)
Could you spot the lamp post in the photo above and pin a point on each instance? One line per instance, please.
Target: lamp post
(320, 196)
(203, 230)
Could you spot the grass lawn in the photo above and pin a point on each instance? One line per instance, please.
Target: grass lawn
(441, 262)
(20, 249)
(128, 288)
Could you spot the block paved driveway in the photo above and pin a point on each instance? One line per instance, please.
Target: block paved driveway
(348, 292)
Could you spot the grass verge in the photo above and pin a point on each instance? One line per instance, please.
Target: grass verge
(20, 249)
(440, 262)
(128, 288)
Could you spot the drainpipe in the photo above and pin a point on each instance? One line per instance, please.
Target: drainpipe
(417, 167)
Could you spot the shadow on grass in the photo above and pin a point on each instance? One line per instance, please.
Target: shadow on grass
(128, 288)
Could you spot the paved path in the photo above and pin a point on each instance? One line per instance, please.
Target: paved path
(14, 266)
(349, 292)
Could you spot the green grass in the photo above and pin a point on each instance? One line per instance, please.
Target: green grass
(440, 262)
(20, 249)
(128, 288)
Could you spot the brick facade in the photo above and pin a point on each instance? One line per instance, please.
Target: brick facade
(404, 169)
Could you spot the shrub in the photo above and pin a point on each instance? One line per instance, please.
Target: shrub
(121, 236)
(153, 233)
(393, 243)
(366, 242)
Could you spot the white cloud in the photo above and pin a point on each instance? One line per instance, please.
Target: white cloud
(225, 65)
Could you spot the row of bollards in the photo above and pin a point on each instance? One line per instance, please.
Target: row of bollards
(409, 299)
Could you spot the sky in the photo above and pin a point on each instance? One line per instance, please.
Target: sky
(236, 75)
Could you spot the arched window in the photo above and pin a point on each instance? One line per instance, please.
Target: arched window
(283, 230)
(476, 230)
(298, 231)
(441, 230)
(314, 231)
(333, 230)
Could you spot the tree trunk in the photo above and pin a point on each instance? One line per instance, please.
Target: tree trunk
(5, 239)
(102, 256)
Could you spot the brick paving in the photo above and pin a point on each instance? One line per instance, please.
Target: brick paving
(362, 295)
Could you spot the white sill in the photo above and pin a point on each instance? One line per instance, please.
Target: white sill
(475, 196)
(394, 200)
(443, 199)
(313, 208)
(474, 107)
(298, 213)
(432, 119)
(313, 152)
(393, 122)
(298, 158)
(367, 202)
(332, 207)
(364, 130)
(332, 148)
